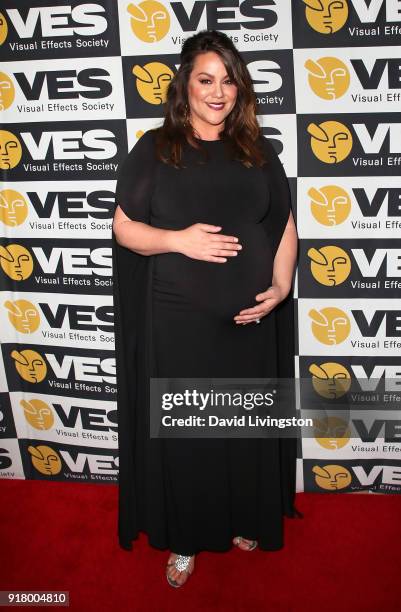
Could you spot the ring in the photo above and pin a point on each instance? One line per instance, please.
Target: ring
(257, 321)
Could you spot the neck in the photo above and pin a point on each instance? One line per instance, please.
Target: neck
(212, 132)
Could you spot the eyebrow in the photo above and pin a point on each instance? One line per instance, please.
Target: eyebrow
(210, 75)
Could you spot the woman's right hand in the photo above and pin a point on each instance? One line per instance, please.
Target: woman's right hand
(199, 241)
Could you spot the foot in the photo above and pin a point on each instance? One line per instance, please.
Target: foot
(244, 544)
(176, 576)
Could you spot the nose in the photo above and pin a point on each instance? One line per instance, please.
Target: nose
(217, 90)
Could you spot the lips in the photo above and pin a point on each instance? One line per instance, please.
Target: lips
(216, 106)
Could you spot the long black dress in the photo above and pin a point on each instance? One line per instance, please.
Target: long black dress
(174, 318)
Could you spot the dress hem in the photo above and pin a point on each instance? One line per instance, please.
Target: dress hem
(129, 546)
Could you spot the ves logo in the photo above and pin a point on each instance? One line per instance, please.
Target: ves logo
(330, 265)
(332, 432)
(30, 365)
(326, 16)
(331, 141)
(45, 459)
(332, 477)
(150, 20)
(13, 208)
(330, 380)
(10, 150)
(7, 91)
(330, 205)
(330, 325)
(38, 413)
(3, 28)
(16, 261)
(328, 77)
(152, 81)
(23, 315)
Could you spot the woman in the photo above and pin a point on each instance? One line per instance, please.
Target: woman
(204, 251)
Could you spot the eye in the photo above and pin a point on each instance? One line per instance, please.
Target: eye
(227, 81)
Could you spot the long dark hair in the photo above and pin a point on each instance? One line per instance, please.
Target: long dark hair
(241, 129)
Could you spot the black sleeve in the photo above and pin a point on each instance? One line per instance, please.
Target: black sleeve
(136, 178)
(276, 218)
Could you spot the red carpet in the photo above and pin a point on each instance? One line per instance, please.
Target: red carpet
(344, 555)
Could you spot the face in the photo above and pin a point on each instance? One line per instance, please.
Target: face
(211, 94)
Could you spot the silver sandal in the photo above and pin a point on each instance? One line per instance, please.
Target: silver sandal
(252, 546)
(181, 563)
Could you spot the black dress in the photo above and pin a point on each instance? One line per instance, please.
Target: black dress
(174, 318)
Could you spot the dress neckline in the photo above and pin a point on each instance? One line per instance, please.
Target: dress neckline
(201, 140)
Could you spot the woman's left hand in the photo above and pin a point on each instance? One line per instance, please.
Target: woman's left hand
(268, 300)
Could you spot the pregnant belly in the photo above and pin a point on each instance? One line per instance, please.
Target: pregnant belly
(216, 289)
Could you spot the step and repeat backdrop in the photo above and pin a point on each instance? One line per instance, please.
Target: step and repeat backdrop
(80, 82)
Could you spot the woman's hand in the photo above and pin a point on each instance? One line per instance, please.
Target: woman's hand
(268, 300)
(199, 241)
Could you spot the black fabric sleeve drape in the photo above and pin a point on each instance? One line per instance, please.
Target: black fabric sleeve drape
(275, 222)
(130, 295)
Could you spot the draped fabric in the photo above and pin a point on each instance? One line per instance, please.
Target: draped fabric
(143, 478)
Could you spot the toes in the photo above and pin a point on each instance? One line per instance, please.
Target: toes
(182, 577)
(174, 574)
(243, 543)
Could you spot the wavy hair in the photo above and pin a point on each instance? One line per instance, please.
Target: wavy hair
(241, 129)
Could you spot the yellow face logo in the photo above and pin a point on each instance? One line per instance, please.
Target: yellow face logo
(7, 91)
(45, 459)
(331, 141)
(30, 365)
(152, 81)
(332, 477)
(10, 150)
(330, 325)
(331, 432)
(16, 261)
(326, 16)
(13, 208)
(23, 315)
(3, 28)
(330, 380)
(330, 265)
(330, 205)
(38, 414)
(328, 77)
(150, 20)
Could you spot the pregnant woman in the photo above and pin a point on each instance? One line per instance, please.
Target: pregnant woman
(204, 251)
